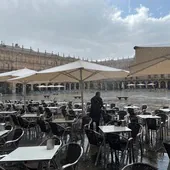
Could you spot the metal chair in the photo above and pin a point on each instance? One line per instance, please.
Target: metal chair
(60, 131)
(121, 144)
(95, 139)
(164, 123)
(121, 114)
(12, 144)
(68, 156)
(34, 165)
(139, 166)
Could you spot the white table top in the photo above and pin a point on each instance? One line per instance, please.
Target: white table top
(114, 129)
(62, 120)
(132, 107)
(32, 153)
(53, 107)
(77, 110)
(148, 116)
(30, 116)
(165, 110)
(3, 132)
(8, 112)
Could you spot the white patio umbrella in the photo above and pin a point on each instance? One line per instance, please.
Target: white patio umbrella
(131, 85)
(16, 73)
(151, 84)
(79, 71)
(21, 73)
(140, 84)
(42, 86)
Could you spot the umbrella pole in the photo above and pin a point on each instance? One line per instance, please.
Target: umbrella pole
(81, 90)
(24, 95)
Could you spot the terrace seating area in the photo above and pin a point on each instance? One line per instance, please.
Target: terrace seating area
(57, 135)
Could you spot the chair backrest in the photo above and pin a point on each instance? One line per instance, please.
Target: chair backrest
(43, 125)
(1, 168)
(57, 141)
(15, 120)
(8, 127)
(144, 107)
(167, 147)
(86, 120)
(115, 142)
(114, 122)
(135, 127)
(163, 116)
(139, 166)
(106, 118)
(57, 129)
(112, 105)
(122, 114)
(69, 155)
(18, 133)
(94, 137)
(152, 123)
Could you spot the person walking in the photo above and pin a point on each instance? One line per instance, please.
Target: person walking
(95, 112)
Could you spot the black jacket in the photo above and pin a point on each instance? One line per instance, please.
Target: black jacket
(96, 105)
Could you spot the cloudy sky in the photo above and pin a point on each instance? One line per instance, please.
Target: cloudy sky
(94, 29)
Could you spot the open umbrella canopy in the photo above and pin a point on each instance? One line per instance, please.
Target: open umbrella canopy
(42, 86)
(151, 84)
(16, 73)
(75, 72)
(140, 84)
(131, 85)
(162, 67)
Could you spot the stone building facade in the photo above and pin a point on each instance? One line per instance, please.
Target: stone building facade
(16, 57)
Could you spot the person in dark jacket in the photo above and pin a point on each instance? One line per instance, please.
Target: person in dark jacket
(95, 112)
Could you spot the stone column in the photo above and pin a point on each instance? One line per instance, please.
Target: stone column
(159, 84)
(13, 88)
(69, 86)
(166, 84)
(32, 89)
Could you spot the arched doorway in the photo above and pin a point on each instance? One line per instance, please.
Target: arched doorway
(91, 85)
(85, 86)
(168, 84)
(163, 85)
(35, 87)
(62, 88)
(72, 86)
(56, 88)
(156, 84)
(43, 89)
(28, 88)
(67, 86)
(19, 88)
(77, 86)
(50, 88)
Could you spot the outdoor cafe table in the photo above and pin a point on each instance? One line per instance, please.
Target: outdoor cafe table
(31, 153)
(62, 120)
(3, 132)
(148, 117)
(112, 129)
(31, 116)
(165, 110)
(7, 112)
(131, 107)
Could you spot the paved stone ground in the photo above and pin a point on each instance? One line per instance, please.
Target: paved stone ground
(158, 158)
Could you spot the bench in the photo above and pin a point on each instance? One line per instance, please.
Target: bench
(77, 97)
(119, 97)
(46, 96)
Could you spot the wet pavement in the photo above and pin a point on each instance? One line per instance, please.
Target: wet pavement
(154, 99)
